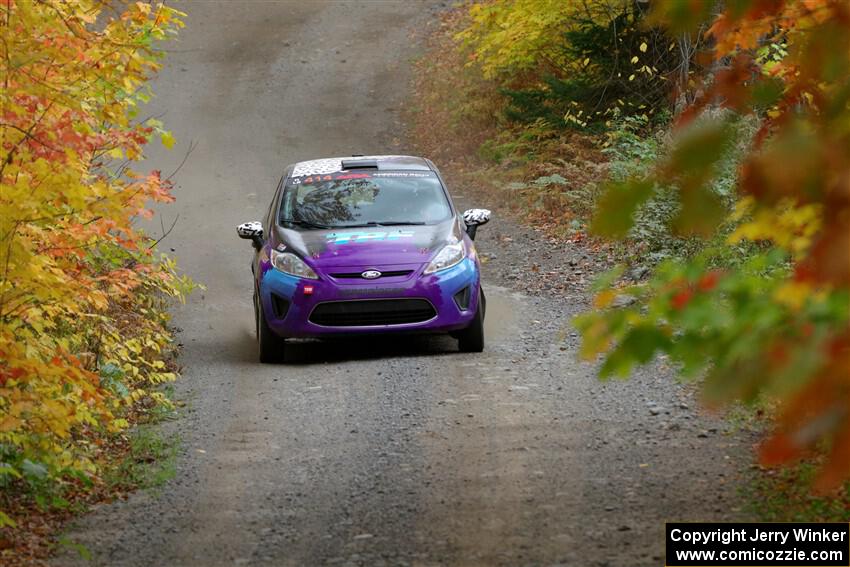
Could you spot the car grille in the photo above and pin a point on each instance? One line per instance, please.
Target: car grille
(359, 275)
(371, 312)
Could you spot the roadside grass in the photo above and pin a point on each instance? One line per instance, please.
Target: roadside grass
(146, 459)
(149, 462)
(142, 458)
(785, 495)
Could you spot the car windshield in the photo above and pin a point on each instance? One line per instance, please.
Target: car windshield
(349, 199)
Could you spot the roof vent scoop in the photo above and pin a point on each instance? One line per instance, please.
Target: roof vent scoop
(359, 164)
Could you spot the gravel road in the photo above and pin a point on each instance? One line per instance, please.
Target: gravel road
(391, 452)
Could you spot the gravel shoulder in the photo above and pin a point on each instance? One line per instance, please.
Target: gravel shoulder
(403, 451)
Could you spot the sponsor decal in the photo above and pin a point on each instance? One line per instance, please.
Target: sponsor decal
(343, 176)
(404, 174)
(361, 236)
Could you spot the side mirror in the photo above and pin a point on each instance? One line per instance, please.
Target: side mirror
(252, 231)
(475, 218)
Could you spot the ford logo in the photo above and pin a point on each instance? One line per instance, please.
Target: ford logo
(370, 274)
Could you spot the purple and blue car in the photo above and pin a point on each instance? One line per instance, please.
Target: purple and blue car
(363, 245)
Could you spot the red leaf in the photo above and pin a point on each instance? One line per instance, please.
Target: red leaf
(681, 299)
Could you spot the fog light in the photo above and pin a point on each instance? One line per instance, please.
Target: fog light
(280, 306)
(462, 298)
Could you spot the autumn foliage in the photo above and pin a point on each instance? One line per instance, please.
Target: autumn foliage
(82, 324)
(777, 324)
(574, 64)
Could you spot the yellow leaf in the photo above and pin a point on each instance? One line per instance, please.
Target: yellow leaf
(9, 423)
(604, 298)
(632, 77)
(635, 59)
(793, 294)
(643, 47)
(168, 140)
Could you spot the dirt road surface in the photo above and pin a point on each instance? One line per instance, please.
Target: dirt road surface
(390, 452)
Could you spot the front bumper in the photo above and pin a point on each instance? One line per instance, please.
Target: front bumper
(288, 301)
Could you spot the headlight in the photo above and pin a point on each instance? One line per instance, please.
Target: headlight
(450, 255)
(289, 263)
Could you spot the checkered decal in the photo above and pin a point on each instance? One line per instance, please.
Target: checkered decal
(329, 165)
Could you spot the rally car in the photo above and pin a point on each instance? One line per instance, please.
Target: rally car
(361, 245)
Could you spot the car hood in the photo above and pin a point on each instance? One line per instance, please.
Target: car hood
(369, 246)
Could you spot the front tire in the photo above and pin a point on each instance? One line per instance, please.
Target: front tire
(271, 348)
(471, 339)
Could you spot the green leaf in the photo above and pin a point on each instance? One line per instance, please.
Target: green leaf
(637, 347)
(615, 213)
(699, 148)
(702, 210)
(767, 92)
(680, 17)
(604, 280)
(8, 470)
(33, 470)
(6, 521)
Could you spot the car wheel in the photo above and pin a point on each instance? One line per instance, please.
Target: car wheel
(271, 347)
(471, 339)
(256, 316)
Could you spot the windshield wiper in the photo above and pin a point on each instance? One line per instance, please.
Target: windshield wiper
(308, 224)
(383, 223)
